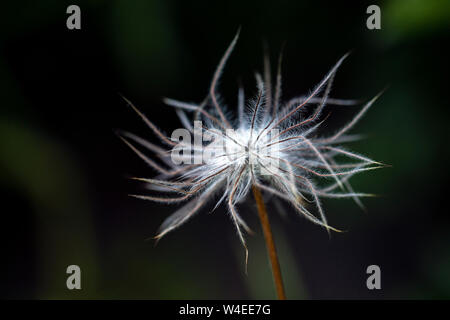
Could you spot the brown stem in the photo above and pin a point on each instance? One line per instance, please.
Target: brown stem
(276, 272)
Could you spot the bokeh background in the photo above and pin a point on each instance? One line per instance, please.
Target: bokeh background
(63, 172)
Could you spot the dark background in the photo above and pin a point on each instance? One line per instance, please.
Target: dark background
(63, 171)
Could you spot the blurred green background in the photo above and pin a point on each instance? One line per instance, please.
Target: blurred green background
(63, 171)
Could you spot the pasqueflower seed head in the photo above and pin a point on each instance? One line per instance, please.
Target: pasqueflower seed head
(271, 144)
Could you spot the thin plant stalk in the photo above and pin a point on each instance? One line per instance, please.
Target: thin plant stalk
(275, 264)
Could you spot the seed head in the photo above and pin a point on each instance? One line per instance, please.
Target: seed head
(271, 144)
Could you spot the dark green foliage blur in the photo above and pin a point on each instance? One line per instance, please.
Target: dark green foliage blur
(63, 172)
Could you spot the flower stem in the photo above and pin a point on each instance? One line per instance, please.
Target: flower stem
(276, 271)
